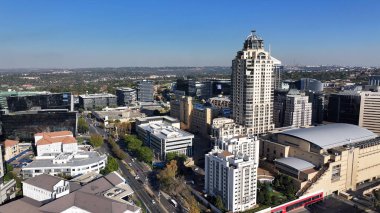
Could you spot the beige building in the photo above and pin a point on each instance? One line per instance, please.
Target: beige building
(193, 117)
(181, 109)
(333, 158)
(369, 116)
(298, 111)
(11, 149)
(220, 101)
(253, 86)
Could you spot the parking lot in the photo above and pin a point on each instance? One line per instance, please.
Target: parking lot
(332, 205)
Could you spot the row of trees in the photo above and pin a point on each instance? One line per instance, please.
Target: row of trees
(82, 125)
(119, 153)
(175, 186)
(135, 146)
(96, 140)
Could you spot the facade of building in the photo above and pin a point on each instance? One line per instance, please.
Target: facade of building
(40, 101)
(221, 101)
(309, 84)
(278, 68)
(5, 94)
(55, 142)
(242, 145)
(279, 106)
(344, 107)
(181, 109)
(369, 117)
(187, 86)
(97, 101)
(317, 100)
(11, 149)
(45, 188)
(125, 96)
(24, 125)
(298, 111)
(374, 80)
(163, 138)
(252, 86)
(233, 178)
(70, 164)
(332, 158)
(201, 119)
(145, 91)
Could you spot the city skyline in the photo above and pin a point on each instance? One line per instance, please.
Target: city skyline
(72, 34)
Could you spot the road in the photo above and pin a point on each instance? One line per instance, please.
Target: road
(138, 185)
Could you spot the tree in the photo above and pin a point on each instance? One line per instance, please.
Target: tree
(96, 140)
(260, 197)
(145, 154)
(9, 167)
(219, 203)
(193, 205)
(82, 125)
(111, 165)
(168, 174)
(123, 128)
(134, 145)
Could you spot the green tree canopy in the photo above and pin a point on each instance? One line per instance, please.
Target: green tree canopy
(219, 203)
(96, 140)
(145, 154)
(82, 125)
(111, 165)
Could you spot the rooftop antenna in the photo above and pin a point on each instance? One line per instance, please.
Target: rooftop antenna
(269, 50)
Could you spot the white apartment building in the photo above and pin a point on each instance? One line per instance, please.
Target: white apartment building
(369, 116)
(253, 86)
(55, 142)
(224, 128)
(164, 138)
(242, 145)
(45, 187)
(298, 111)
(233, 178)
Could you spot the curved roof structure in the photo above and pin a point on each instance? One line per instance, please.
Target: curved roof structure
(295, 163)
(332, 135)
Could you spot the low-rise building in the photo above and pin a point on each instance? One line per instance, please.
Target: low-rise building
(332, 158)
(105, 194)
(70, 164)
(45, 187)
(163, 138)
(11, 149)
(233, 178)
(122, 115)
(55, 142)
(97, 101)
(221, 101)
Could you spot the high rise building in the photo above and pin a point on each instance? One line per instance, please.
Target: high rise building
(297, 111)
(97, 101)
(252, 86)
(181, 108)
(344, 107)
(318, 106)
(369, 116)
(277, 72)
(233, 178)
(306, 84)
(279, 104)
(125, 96)
(145, 91)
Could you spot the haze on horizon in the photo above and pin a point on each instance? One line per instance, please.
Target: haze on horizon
(116, 33)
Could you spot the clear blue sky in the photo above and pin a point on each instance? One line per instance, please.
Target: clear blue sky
(90, 33)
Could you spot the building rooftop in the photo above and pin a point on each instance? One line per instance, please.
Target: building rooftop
(93, 157)
(44, 181)
(153, 118)
(295, 163)
(10, 143)
(64, 137)
(332, 135)
(165, 131)
(55, 134)
(88, 202)
(98, 95)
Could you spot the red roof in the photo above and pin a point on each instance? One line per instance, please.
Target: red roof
(64, 137)
(9, 143)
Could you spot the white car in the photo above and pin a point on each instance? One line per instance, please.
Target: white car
(153, 202)
(130, 164)
(137, 177)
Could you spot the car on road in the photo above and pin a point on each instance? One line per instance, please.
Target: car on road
(130, 164)
(153, 201)
(137, 177)
(196, 169)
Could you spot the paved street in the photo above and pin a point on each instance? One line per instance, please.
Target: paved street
(136, 184)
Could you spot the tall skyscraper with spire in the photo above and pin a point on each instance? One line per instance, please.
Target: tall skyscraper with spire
(253, 86)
